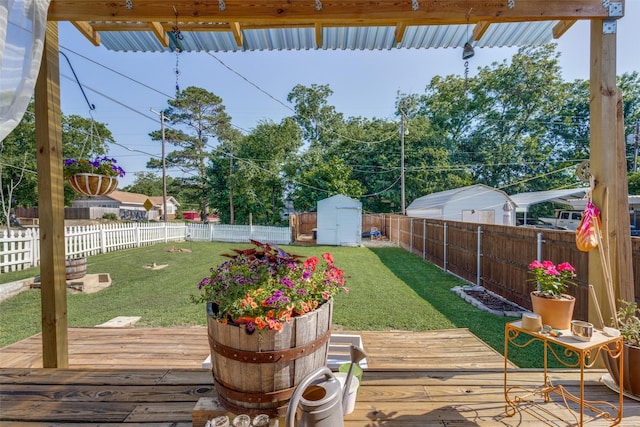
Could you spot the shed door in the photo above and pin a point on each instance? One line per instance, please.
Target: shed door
(349, 227)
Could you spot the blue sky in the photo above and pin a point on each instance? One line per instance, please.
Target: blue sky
(365, 83)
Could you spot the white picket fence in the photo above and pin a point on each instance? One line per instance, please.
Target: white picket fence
(239, 233)
(20, 249)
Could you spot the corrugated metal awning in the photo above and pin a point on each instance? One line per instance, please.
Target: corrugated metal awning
(334, 38)
(565, 197)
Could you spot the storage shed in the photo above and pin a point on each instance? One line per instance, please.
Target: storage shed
(339, 221)
(475, 203)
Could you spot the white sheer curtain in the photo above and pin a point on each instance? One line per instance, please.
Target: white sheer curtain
(22, 29)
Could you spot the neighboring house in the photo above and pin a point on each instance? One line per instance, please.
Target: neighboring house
(128, 205)
(476, 203)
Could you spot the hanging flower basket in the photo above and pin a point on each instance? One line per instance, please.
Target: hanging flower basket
(93, 177)
(89, 184)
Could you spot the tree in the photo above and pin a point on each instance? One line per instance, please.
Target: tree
(503, 129)
(318, 120)
(629, 85)
(195, 118)
(321, 179)
(249, 172)
(148, 183)
(634, 183)
(371, 149)
(18, 177)
(81, 138)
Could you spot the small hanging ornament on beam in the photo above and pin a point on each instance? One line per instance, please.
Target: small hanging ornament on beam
(467, 53)
(177, 71)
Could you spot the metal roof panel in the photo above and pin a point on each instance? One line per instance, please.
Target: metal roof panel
(342, 38)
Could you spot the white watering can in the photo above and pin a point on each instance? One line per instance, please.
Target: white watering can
(320, 400)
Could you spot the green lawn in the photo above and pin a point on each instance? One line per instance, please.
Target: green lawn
(390, 289)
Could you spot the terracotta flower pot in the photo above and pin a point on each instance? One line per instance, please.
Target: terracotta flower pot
(90, 184)
(556, 313)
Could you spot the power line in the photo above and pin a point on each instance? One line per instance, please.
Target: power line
(287, 106)
(118, 73)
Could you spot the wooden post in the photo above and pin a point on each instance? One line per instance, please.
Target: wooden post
(608, 167)
(624, 253)
(55, 352)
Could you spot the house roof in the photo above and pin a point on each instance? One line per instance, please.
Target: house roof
(440, 199)
(248, 25)
(138, 199)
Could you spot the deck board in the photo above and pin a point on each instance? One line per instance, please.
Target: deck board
(412, 381)
(386, 398)
(95, 348)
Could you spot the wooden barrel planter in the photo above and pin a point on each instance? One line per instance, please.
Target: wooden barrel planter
(258, 373)
(75, 268)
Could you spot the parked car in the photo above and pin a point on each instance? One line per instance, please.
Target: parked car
(566, 219)
(538, 223)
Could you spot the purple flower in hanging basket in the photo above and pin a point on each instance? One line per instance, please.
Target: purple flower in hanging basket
(99, 166)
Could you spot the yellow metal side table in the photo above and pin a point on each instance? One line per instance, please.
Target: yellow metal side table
(572, 353)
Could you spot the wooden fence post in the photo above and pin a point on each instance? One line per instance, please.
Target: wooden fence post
(479, 260)
(424, 239)
(411, 235)
(444, 242)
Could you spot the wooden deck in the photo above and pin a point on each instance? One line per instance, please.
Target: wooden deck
(153, 377)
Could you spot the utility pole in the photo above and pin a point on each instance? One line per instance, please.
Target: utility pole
(164, 167)
(635, 146)
(402, 202)
(232, 219)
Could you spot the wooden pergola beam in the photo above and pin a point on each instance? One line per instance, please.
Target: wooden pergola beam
(88, 31)
(159, 32)
(318, 33)
(237, 32)
(355, 12)
(562, 27)
(480, 29)
(401, 27)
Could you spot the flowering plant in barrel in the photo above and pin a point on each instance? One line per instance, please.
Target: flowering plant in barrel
(264, 287)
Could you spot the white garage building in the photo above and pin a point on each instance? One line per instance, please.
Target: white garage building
(476, 203)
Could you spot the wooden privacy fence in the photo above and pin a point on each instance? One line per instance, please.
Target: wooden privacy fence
(303, 223)
(20, 249)
(497, 257)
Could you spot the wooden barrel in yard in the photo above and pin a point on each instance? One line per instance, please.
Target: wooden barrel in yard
(75, 268)
(258, 373)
